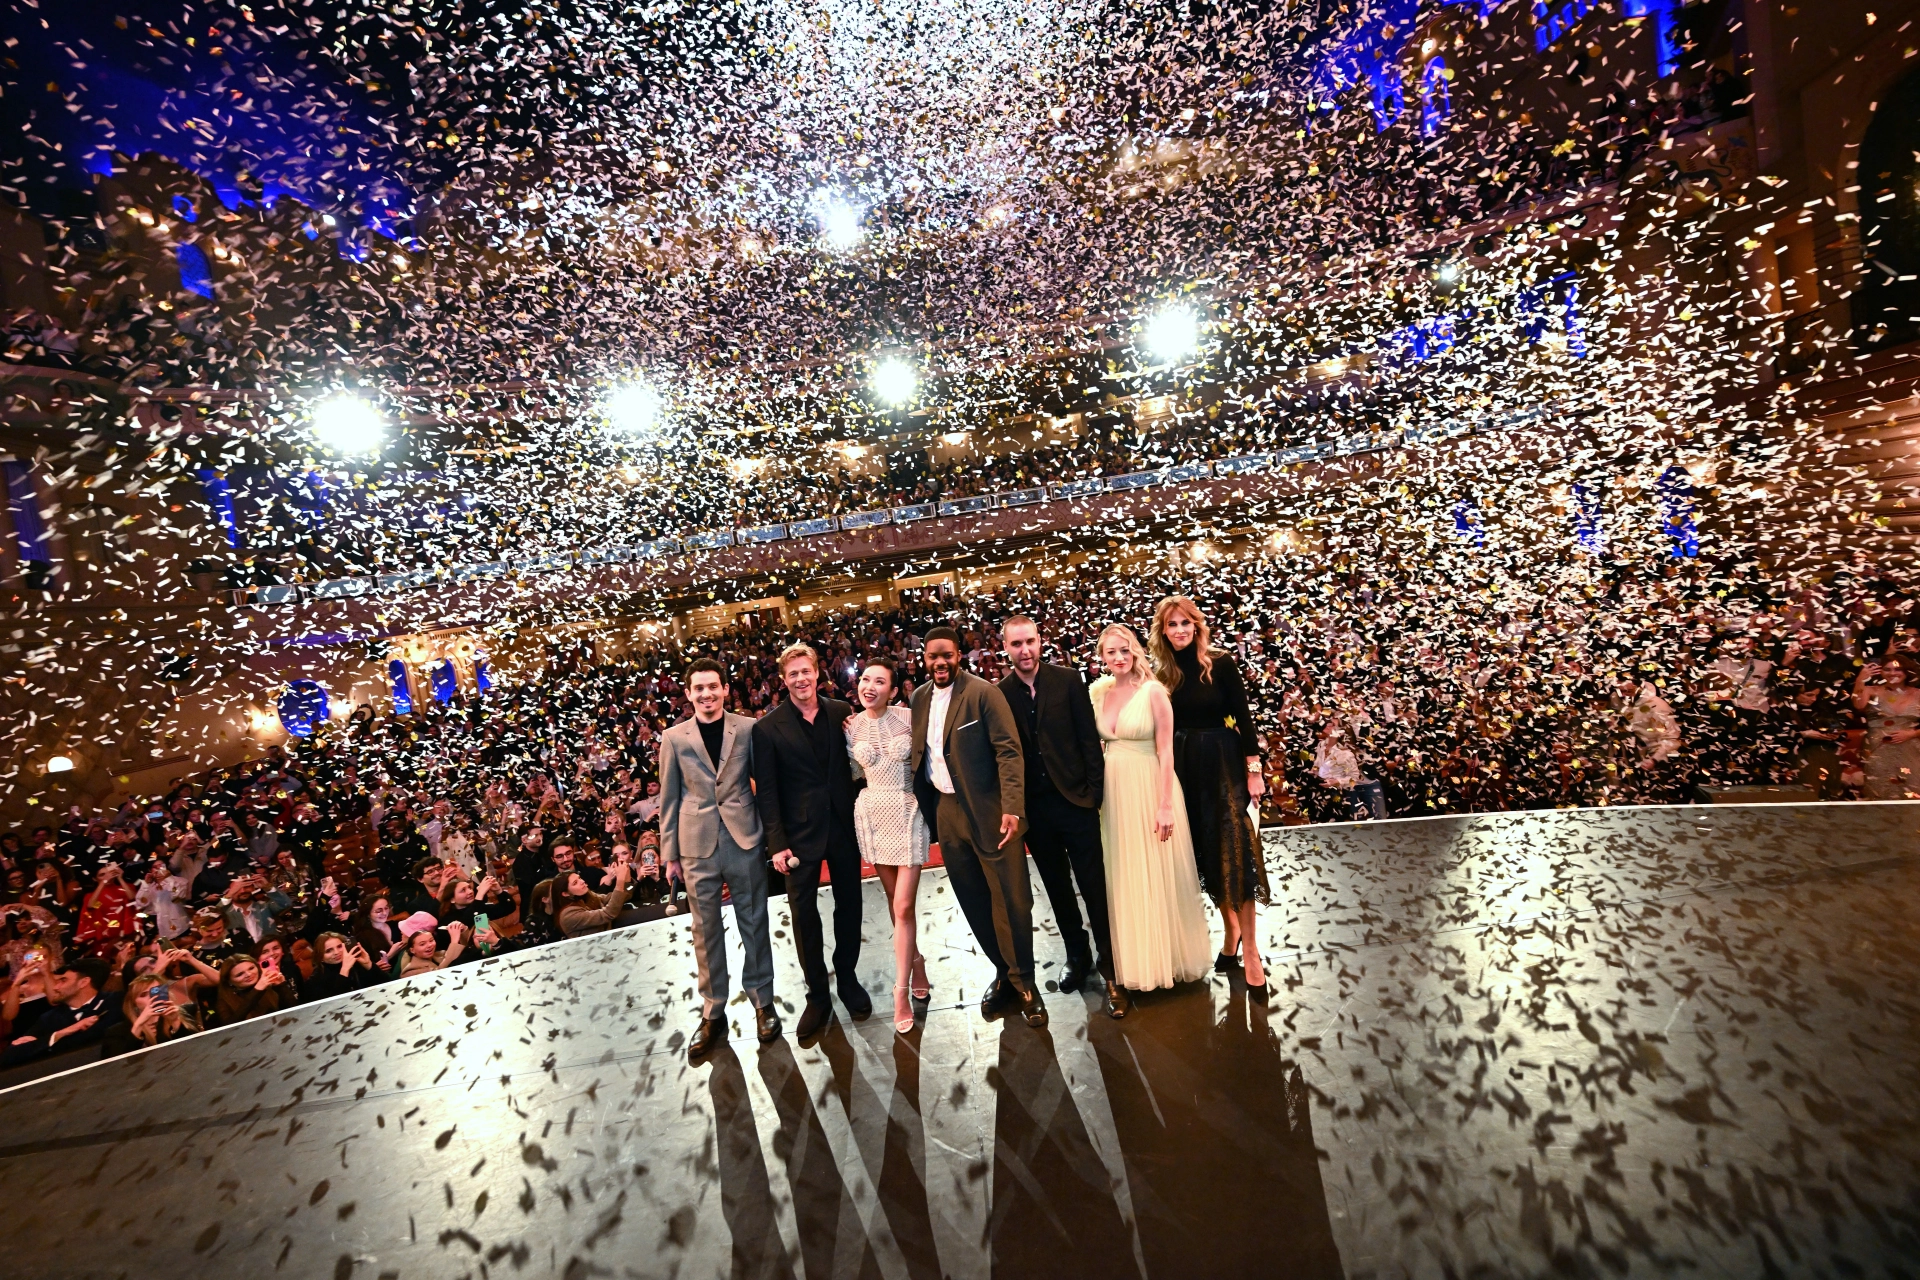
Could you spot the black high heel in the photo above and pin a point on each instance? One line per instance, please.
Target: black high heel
(1226, 962)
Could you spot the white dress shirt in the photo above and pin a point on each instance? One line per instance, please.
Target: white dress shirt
(162, 900)
(1748, 678)
(936, 739)
(1650, 718)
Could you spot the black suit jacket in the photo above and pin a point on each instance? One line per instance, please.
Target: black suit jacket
(802, 808)
(1069, 739)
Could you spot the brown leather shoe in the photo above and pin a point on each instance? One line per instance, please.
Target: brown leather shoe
(712, 1031)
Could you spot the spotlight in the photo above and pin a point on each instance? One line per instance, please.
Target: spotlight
(894, 381)
(839, 223)
(348, 424)
(1172, 334)
(633, 409)
(1448, 272)
(60, 764)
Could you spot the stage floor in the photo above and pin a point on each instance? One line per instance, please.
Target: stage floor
(1600, 1042)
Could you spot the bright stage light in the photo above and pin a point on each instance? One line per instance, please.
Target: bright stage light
(839, 223)
(633, 409)
(1172, 334)
(60, 764)
(1448, 272)
(894, 381)
(348, 424)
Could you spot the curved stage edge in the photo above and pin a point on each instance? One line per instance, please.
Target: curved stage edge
(1613, 1041)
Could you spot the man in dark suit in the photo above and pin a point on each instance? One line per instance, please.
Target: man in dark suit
(970, 779)
(803, 783)
(1066, 774)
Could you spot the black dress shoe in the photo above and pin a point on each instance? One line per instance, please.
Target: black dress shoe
(1074, 975)
(766, 1024)
(999, 998)
(1226, 962)
(858, 1002)
(1118, 1005)
(813, 1019)
(712, 1031)
(1032, 1008)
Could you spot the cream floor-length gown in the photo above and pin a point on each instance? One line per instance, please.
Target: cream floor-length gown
(1153, 887)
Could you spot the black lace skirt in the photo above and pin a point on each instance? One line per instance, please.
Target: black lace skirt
(1213, 774)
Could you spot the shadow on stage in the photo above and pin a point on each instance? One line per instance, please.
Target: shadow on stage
(1200, 1161)
(1217, 1135)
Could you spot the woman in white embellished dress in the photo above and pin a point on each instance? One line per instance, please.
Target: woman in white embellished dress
(887, 819)
(1153, 886)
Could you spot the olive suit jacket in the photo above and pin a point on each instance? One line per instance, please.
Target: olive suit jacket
(984, 758)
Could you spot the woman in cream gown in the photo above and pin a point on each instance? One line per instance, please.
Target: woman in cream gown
(1153, 887)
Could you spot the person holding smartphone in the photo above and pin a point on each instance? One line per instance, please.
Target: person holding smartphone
(149, 1017)
(1888, 694)
(344, 966)
(272, 955)
(75, 1016)
(163, 895)
(28, 995)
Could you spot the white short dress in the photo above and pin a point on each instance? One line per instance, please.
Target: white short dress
(886, 816)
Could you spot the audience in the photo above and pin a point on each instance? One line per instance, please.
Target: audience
(384, 849)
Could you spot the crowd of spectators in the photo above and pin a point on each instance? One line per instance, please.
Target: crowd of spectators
(384, 848)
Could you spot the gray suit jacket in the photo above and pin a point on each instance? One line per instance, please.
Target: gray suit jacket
(695, 799)
(984, 759)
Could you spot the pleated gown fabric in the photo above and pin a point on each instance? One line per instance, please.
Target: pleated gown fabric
(1159, 927)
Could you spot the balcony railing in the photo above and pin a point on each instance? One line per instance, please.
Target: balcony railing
(1068, 490)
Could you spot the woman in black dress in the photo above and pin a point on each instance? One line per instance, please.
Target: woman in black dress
(1217, 758)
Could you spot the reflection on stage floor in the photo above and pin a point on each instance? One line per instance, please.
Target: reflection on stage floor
(1591, 1043)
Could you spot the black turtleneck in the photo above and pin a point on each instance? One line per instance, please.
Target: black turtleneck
(713, 733)
(1219, 701)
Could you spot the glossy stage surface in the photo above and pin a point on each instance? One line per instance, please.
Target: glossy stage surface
(1593, 1043)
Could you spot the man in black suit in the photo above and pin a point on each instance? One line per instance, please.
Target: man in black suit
(969, 778)
(803, 784)
(1066, 775)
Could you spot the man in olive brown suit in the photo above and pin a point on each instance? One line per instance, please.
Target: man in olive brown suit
(969, 775)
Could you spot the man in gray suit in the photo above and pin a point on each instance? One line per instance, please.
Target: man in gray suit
(969, 774)
(710, 835)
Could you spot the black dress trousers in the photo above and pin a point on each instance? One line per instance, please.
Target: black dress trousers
(1064, 839)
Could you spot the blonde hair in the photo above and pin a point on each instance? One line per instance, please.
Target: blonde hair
(799, 649)
(130, 1003)
(1133, 638)
(1165, 665)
